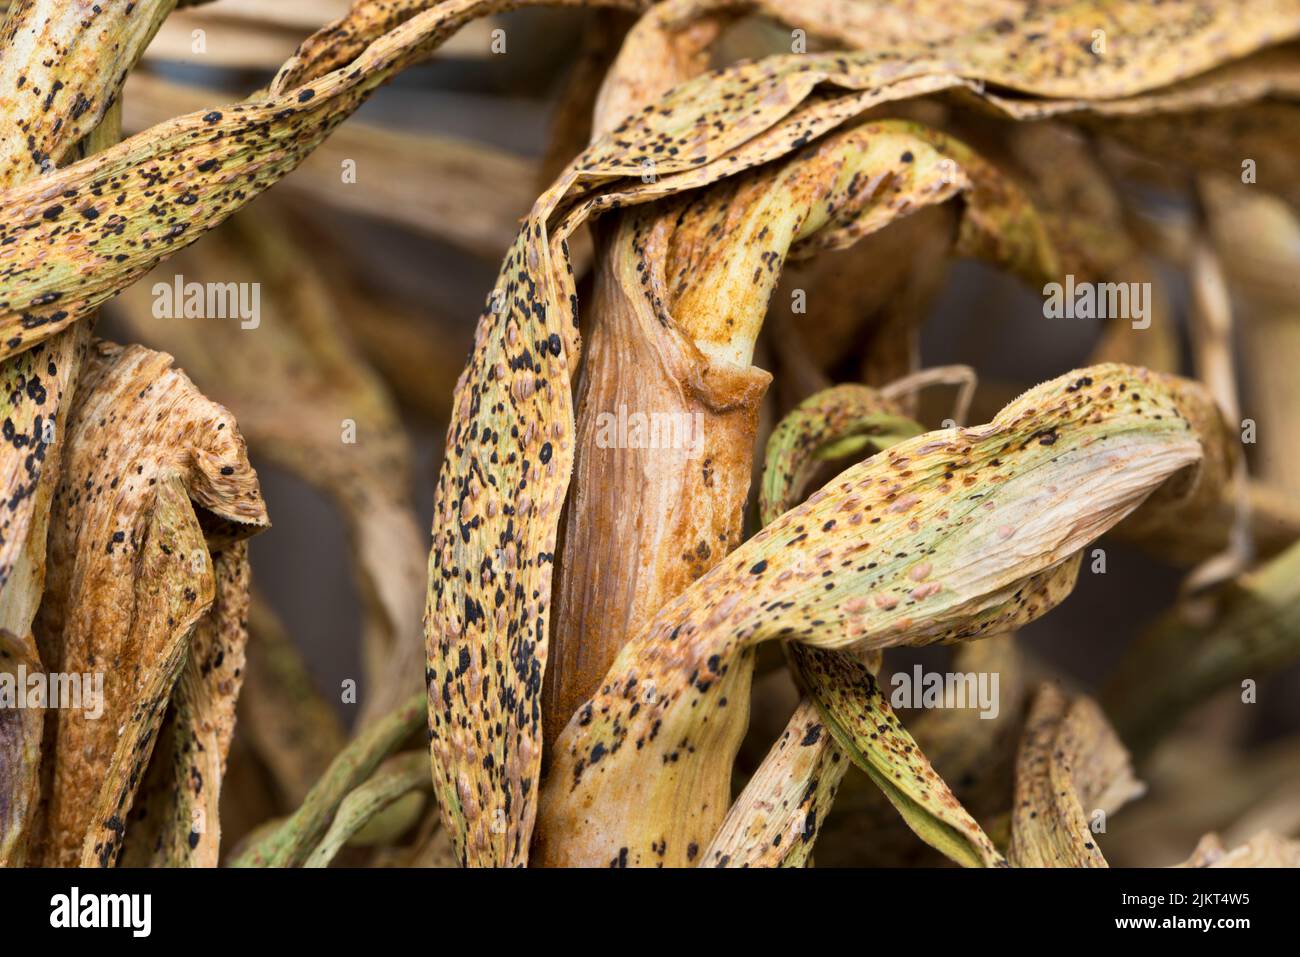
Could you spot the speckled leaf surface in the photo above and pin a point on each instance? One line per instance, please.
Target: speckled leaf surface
(76, 236)
(866, 728)
(683, 288)
(1070, 766)
(131, 575)
(836, 422)
(949, 536)
(175, 820)
(774, 821)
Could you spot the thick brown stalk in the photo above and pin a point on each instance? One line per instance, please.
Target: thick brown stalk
(668, 399)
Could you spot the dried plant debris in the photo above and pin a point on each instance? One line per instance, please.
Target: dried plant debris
(949, 536)
(1244, 631)
(156, 496)
(288, 724)
(608, 560)
(1071, 772)
(399, 777)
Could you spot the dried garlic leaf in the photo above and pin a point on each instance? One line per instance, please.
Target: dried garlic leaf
(836, 422)
(842, 687)
(864, 725)
(516, 386)
(469, 194)
(62, 68)
(974, 752)
(949, 536)
(1071, 765)
(76, 236)
(155, 478)
(682, 292)
(175, 820)
(774, 821)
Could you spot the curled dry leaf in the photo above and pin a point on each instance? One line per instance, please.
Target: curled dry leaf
(776, 818)
(974, 752)
(1070, 767)
(156, 488)
(175, 821)
(866, 728)
(948, 536)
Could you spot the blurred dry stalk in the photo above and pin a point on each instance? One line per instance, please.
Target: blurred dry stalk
(595, 606)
